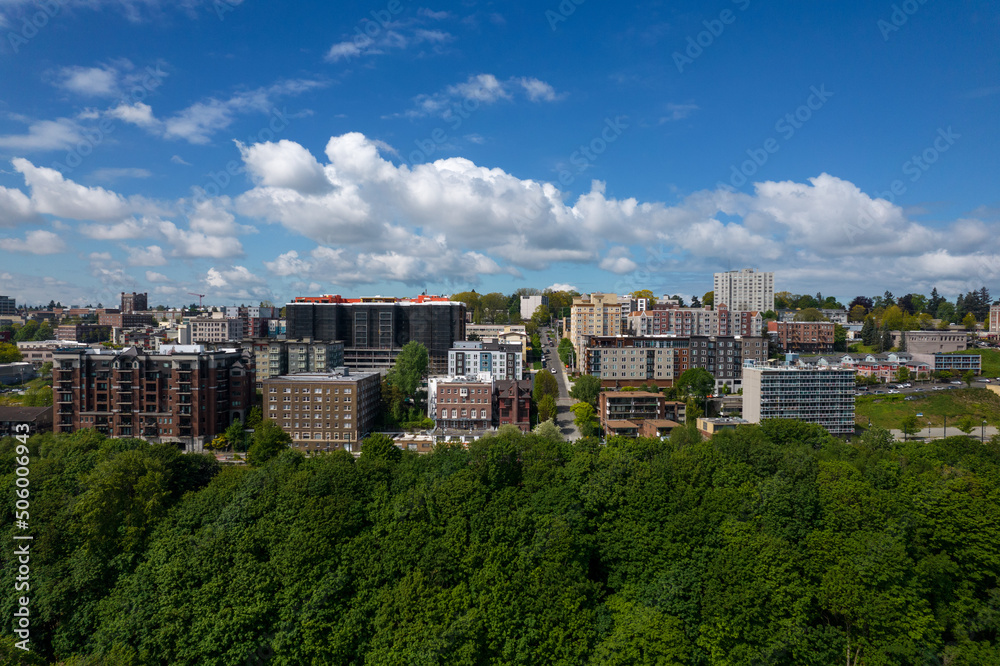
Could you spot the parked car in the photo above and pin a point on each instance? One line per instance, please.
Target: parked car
(957, 383)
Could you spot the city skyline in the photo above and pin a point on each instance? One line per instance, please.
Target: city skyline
(396, 147)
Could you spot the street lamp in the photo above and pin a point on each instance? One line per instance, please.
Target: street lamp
(928, 430)
(945, 426)
(982, 432)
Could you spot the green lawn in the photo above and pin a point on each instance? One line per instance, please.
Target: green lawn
(537, 365)
(14, 399)
(991, 360)
(888, 411)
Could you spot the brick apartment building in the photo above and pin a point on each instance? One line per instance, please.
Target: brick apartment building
(83, 333)
(124, 320)
(324, 411)
(182, 394)
(461, 403)
(288, 357)
(807, 337)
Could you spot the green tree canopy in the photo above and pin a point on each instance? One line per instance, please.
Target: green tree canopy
(545, 384)
(410, 368)
(586, 388)
(697, 382)
(268, 441)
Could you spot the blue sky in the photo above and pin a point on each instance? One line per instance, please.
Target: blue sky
(251, 150)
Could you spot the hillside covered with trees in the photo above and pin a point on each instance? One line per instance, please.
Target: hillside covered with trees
(773, 544)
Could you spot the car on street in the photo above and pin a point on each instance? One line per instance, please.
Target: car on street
(957, 383)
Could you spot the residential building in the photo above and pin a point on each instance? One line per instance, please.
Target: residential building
(14, 418)
(464, 403)
(512, 403)
(531, 303)
(289, 357)
(832, 315)
(596, 315)
(16, 373)
(621, 412)
(745, 290)
(374, 330)
(8, 307)
(83, 332)
(256, 319)
(708, 427)
(883, 366)
(276, 328)
(660, 360)
(824, 396)
(181, 394)
(810, 337)
(133, 303)
(657, 427)
(324, 411)
(672, 320)
(215, 329)
(993, 328)
(486, 360)
(502, 333)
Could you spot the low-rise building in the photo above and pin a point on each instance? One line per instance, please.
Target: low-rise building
(215, 329)
(39, 352)
(324, 411)
(83, 333)
(512, 403)
(621, 412)
(824, 396)
(13, 420)
(657, 427)
(708, 427)
(808, 337)
(16, 373)
(931, 342)
(461, 403)
(956, 363)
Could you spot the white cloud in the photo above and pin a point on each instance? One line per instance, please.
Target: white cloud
(618, 261)
(151, 255)
(678, 112)
(392, 36)
(561, 286)
(54, 195)
(125, 230)
(285, 165)
(15, 208)
(136, 114)
(60, 134)
(177, 159)
(90, 81)
(237, 276)
(194, 244)
(480, 89)
(152, 276)
(36, 242)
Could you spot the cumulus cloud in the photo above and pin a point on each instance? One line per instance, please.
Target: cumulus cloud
(52, 194)
(35, 242)
(151, 255)
(561, 286)
(44, 135)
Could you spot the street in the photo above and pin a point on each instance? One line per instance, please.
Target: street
(564, 417)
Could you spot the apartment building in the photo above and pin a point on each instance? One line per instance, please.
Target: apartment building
(994, 320)
(16, 373)
(673, 320)
(931, 342)
(207, 330)
(324, 411)
(288, 357)
(375, 329)
(660, 361)
(181, 394)
(486, 360)
(462, 403)
(622, 412)
(502, 333)
(807, 337)
(256, 319)
(824, 396)
(116, 319)
(955, 363)
(596, 315)
(744, 290)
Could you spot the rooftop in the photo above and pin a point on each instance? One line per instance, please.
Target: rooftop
(336, 376)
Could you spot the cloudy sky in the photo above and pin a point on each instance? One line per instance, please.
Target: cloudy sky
(252, 150)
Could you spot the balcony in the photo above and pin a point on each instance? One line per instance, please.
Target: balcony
(183, 388)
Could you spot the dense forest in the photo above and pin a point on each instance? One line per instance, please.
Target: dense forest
(772, 544)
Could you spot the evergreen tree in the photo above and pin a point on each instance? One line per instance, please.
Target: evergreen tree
(868, 331)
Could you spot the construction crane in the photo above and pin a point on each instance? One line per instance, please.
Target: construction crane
(200, 296)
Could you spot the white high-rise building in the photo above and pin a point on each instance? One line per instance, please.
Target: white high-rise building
(824, 396)
(745, 290)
